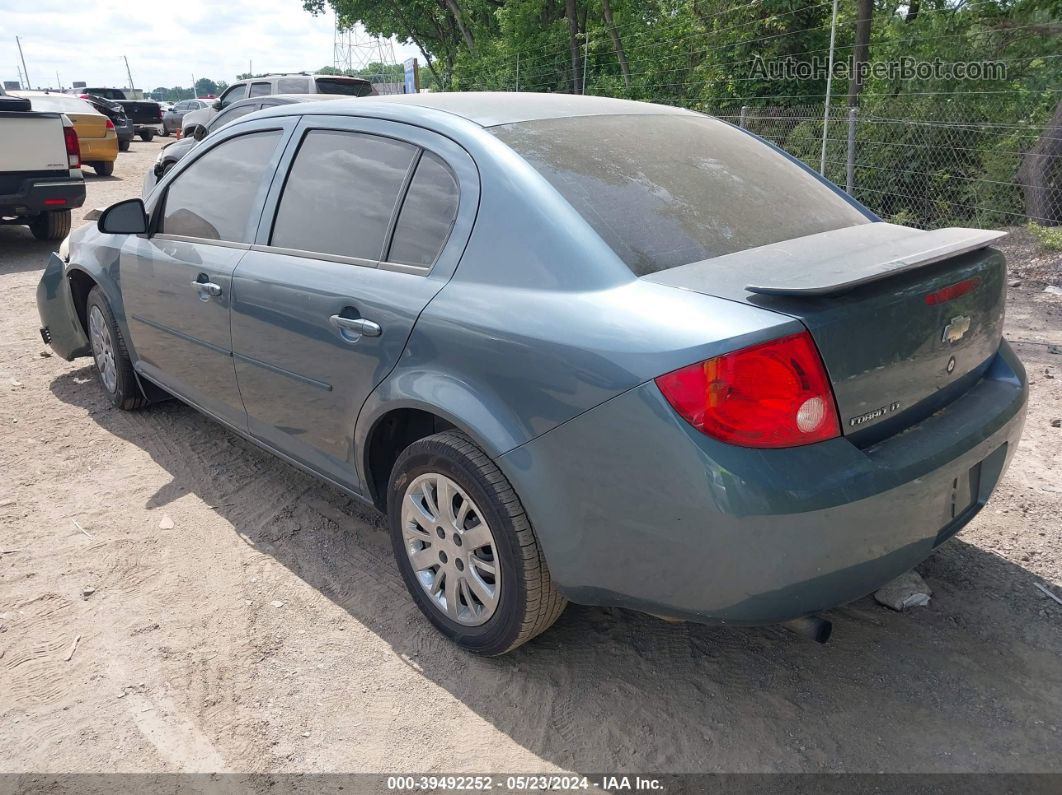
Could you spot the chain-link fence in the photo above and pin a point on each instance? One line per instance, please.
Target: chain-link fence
(928, 167)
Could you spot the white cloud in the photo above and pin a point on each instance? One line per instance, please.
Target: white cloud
(165, 42)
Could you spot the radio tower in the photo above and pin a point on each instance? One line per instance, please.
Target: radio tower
(356, 50)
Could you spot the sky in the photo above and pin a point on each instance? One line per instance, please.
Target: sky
(165, 42)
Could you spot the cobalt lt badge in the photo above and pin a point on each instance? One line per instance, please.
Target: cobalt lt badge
(954, 331)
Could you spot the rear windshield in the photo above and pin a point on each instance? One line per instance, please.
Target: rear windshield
(668, 190)
(348, 88)
(60, 103)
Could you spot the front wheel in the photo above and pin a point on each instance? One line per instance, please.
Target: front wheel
(147, 135)
(113, 366)
(465, 547)
(123, 146)
(104, 169)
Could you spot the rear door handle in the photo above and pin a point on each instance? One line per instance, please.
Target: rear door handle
(207, 288)
(358, 325)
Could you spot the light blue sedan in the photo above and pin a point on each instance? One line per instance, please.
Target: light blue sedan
(576, 348)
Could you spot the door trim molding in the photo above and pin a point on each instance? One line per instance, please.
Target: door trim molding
(281, 371)
(182, 335)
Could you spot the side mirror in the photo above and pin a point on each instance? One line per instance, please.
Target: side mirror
(217, 105)
(200, 132)
(124, 218)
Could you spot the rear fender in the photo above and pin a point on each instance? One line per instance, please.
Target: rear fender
(478, 412)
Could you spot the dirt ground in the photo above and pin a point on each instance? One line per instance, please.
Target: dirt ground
(268, 630)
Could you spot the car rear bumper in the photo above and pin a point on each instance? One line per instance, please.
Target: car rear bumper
(94, 150)
(60, 326)
(635, 508)
(36, 195)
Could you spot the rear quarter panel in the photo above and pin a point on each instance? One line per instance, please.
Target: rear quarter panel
(541, 320)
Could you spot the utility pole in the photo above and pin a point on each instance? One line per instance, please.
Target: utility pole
(58, 81)
(25, 71)
(19, 70)
(194, 92)
(829, 87)
(128, 72)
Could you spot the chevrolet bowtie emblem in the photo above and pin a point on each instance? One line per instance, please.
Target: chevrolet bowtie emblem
(956, 328)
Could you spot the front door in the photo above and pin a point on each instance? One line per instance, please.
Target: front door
(364, 235)
(177, 282)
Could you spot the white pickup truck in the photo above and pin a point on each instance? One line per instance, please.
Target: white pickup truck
(40, 169)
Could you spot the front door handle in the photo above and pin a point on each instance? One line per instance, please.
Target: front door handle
(207, 288)
(357, 325)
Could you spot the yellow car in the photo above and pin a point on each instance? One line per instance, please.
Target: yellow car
(95, 132)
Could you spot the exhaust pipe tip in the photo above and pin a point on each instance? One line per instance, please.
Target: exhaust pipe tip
(812, 627)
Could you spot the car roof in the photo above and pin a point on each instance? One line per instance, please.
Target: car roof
(491, 108)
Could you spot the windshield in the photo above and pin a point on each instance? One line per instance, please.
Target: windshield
(59, 103)
(668, 190)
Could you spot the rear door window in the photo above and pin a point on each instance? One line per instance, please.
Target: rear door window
(341, 193)
(427, 215)
(666, 190)
(214, 197)
(259, 89)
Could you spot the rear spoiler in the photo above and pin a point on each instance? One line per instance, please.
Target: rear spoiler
(833, 262)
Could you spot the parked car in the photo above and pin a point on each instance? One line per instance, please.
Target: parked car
(289, 83)
(145, 114)
(171, 119)
(172, 152)
(123, 128)
(40, 169)
(96, 135)
(577, 348)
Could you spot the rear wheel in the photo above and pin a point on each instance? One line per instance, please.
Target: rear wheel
(104, 169)
(113, 366)
(465, 548)
(147, 135)
(51, 226)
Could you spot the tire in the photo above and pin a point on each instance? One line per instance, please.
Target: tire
(167, 168)
(51, 226)
(147, 135)
(123, 146)
(165, 131)
(524, 602)
(104, 169)
(113, 367)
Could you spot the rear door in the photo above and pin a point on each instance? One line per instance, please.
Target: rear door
(366, 228)
(177, 282)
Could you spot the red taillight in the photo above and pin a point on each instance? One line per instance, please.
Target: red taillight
(110, 124)
(775, 394)
(73, 147)
(55, 202)
(952, 291)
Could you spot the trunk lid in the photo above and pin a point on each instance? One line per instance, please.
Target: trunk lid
(89, 125)
(905, 320)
